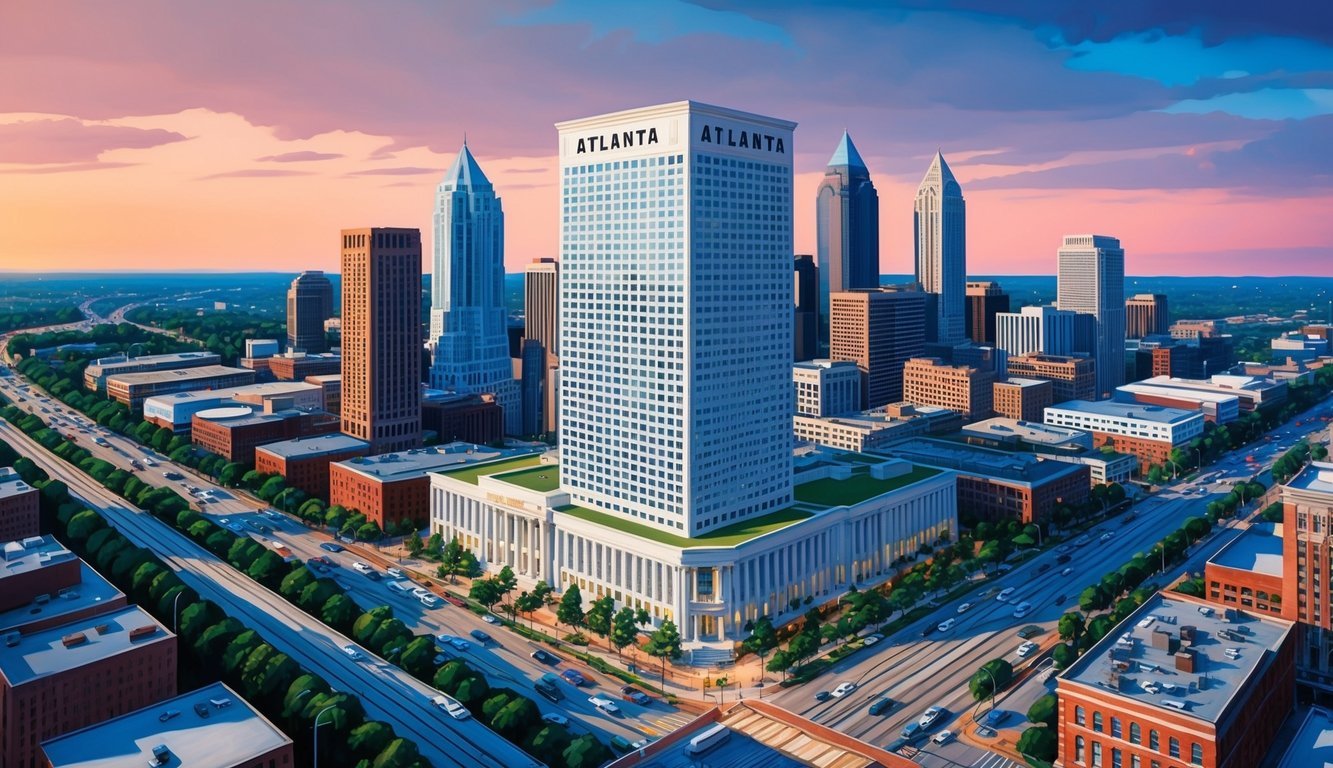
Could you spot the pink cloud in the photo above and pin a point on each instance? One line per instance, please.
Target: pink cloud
(66, 140)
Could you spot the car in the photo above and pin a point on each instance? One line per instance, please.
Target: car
(418, 592)
(843, 689)
(881, 705)
(170, 713)
(201, 709)
(480, 636)
(452, 706)
(352, 652)
(823, 696)
(1062, 559)
(444, 639)
(361, 567)
(396, 573)
(930, 717)
(1030, 630)
(928, 629)
(330, 546)
(621, 744)
(1066, 571)
(964, 607)
(329, 563)
(430, 601)
(912, 731)
(1026, 649)
(490, 619)
(1081, 541)
(995, 717)
(630, 693)
(1022, 610)
(173, 475)
(574, 677)
(554, 718)
(604, 704)
(1043, 568)
(545, 657)
(1105, 536)
(223, 521)
(1004, 594)
(943, 737)
(946, 625)
(872, 639)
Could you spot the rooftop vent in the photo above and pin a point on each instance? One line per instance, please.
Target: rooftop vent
(1185, 660)
(73, 639)
(12, 639)
(1188, 634)
(102, 629)
(146, 630)
(161, 755)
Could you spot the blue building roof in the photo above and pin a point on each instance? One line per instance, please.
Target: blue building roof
(465, 172)
(846, 154)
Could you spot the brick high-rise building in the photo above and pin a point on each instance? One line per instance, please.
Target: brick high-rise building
(1023, 399)
(1145, 315)
(963, 388)
(18, 507)
(1307, 596)
(880, 331)
(309, 304)
(541, 303)
(381, 337)
(983, 301)
(1072, 378)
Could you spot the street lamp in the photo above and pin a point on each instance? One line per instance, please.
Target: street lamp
(175, 616)
(315, 761)
(994, 687)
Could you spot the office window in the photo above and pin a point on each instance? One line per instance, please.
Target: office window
(1096, 754)
(1135, 735)
(1080, 717)
(1173, 747)
(1115, 727)
(1097, 722)
(1152, 741)
(1078, 749)
(1196, 753)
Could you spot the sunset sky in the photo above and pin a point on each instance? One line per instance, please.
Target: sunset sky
(243, 135)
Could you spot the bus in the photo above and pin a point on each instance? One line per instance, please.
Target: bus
(707, 740)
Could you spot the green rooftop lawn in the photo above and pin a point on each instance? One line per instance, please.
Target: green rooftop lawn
(472, 472)
(857, 488)
(856, 458)
(726, 536)
(541, 478)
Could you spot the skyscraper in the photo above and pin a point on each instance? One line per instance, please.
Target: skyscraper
(1145, 315)
(846, 228)
(984, 300)
(309, 304)
(806, 332)
(541, 303)
(879, 330)
(675, 347)
(381, 337)
(1042, 329)
(468, 318)
(1091, 281)
(940, 232)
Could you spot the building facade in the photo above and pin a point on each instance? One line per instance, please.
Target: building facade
(297, 366)
(940, 236)
(1091, 281)
(541, 303)
(1247, 572)
(1146, 314)
(1044, 330)
(880, 331)
(1072, 378)
(96, 373)
(1307, 513)
(846, 227)
(675, 315)
(234, 432)
(381, 337)
(469, 322)
(463, 418)
(1149, 432)
(304, 461)
(806, 330)
(18, 507)
(984, 300)
(826, 388)
(309, 304)
(1023, 399)
(132, 389)
(963, 388)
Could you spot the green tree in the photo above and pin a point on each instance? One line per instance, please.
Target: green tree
(586, 752)
(485, 591)
(401, 753)
(505, 581)
(1040, 743)
(451, 558)
(516, 718)
(599, 615)
(993, 676)
(624, 629)
(1063, 655)
(1071, 626)
(570, 611)
(1044, 710)
(414, 545)
(369, 738)
(526, 603)
(664, 644)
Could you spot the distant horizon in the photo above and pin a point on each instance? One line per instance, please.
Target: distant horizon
(64, 272)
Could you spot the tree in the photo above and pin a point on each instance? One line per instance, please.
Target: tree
(992, 677)
(599, 615)
(414, 545)
(664, 644)
(526, 603)
(1044, 710)
(485, 591)
(570, 610)
(1040, 743)
(624, 629)
(505, 581)
(339, 612)
(516, 718)
(1063, 655)
(369, 738)
(451, 558)
(1071, 626)
(401, 753)
(586, 752)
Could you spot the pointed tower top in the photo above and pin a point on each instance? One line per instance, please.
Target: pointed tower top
(465, 172)
(846, 154)
(940, 174)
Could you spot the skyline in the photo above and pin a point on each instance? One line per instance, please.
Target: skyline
(1187, 136)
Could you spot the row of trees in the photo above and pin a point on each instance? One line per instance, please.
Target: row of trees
(223, 333)
(38, 315)
(213, 644)
(1291, 462)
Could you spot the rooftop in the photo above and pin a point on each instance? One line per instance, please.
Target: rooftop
(1258, 549)
(1313, 744)
(726, 536)
(319, 445)
(1229, 648)
(230, 735)
(1127, 411)
(11, 484)
(104, 363)
(267, 389)
(388, 467)
(542, 478)
(1029, 431)
(1185, 393)
(1317, 477)
(1009, 466)
(1019, 381)
(178, 374)
(32, 554)
(764, 735)
(73, 645)
(91, 590)
(832, 492)
(475, 472)
(232, 414)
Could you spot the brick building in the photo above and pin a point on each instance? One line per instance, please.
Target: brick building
(1247, 573)
(43, 585)
(215, 727)
(1179, 683)
(67, 677)
(963, 388)
(1023, 399)
(332, 387)
(463, 418)
(297, 366)
(1307, 598)
(304, 462)
(233, 432)
(1149, 432)
(1072, 378)
(19, 504)
(131, 389)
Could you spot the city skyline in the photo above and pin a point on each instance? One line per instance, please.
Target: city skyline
(1187, 136)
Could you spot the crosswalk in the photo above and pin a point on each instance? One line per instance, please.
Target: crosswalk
(992, 760)
(660, 726)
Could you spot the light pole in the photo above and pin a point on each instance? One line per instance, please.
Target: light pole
(315, 758)
(175, 616)
(993, 686)
(1199, 452)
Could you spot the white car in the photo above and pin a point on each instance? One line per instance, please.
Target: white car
(930, 717)
(1026, 649)
(361, 567)
(606, 705)
(843, 689)
(1022, 610)
(430, 601)
(419, 592)
(396, 573)
(555, 718)
(943, 737)
(490, 619)
(870, 640)
(1105, 536)
(452, 706)
(352, 652)
(1004, 594)
(1066, 571)
(964, 607)
(946, 625)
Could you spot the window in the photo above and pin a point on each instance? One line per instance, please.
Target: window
(1115, 727)
(1152, 741)
(1115, 758)
(1080, 717)
(1135, 735)
(1196, 753)
(1173, 747)
(1096, 754)
(1078, 749)
(1097, 722)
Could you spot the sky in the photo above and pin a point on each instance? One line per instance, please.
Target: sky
(191, 134)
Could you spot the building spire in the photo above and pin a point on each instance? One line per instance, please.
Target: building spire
(846, 154)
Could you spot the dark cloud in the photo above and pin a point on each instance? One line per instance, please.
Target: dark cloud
(67, 140)
(298, 157)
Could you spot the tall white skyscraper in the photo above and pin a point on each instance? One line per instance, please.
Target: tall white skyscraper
(940, 231)
(468, 320)
(1035, 329)
(1091, 281)
(675, 311)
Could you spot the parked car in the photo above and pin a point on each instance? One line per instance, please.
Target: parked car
(872, 639)
(630, 693)
(995, 717)
(574, 677)
(943, 737)
(544, 657)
